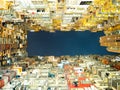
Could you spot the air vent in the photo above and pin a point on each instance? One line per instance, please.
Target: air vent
(85, 2)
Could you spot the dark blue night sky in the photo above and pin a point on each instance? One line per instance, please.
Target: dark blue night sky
(65, 43)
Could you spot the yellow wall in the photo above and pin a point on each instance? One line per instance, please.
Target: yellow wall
(4, 4)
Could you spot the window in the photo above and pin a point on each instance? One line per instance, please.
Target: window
(85, 2)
